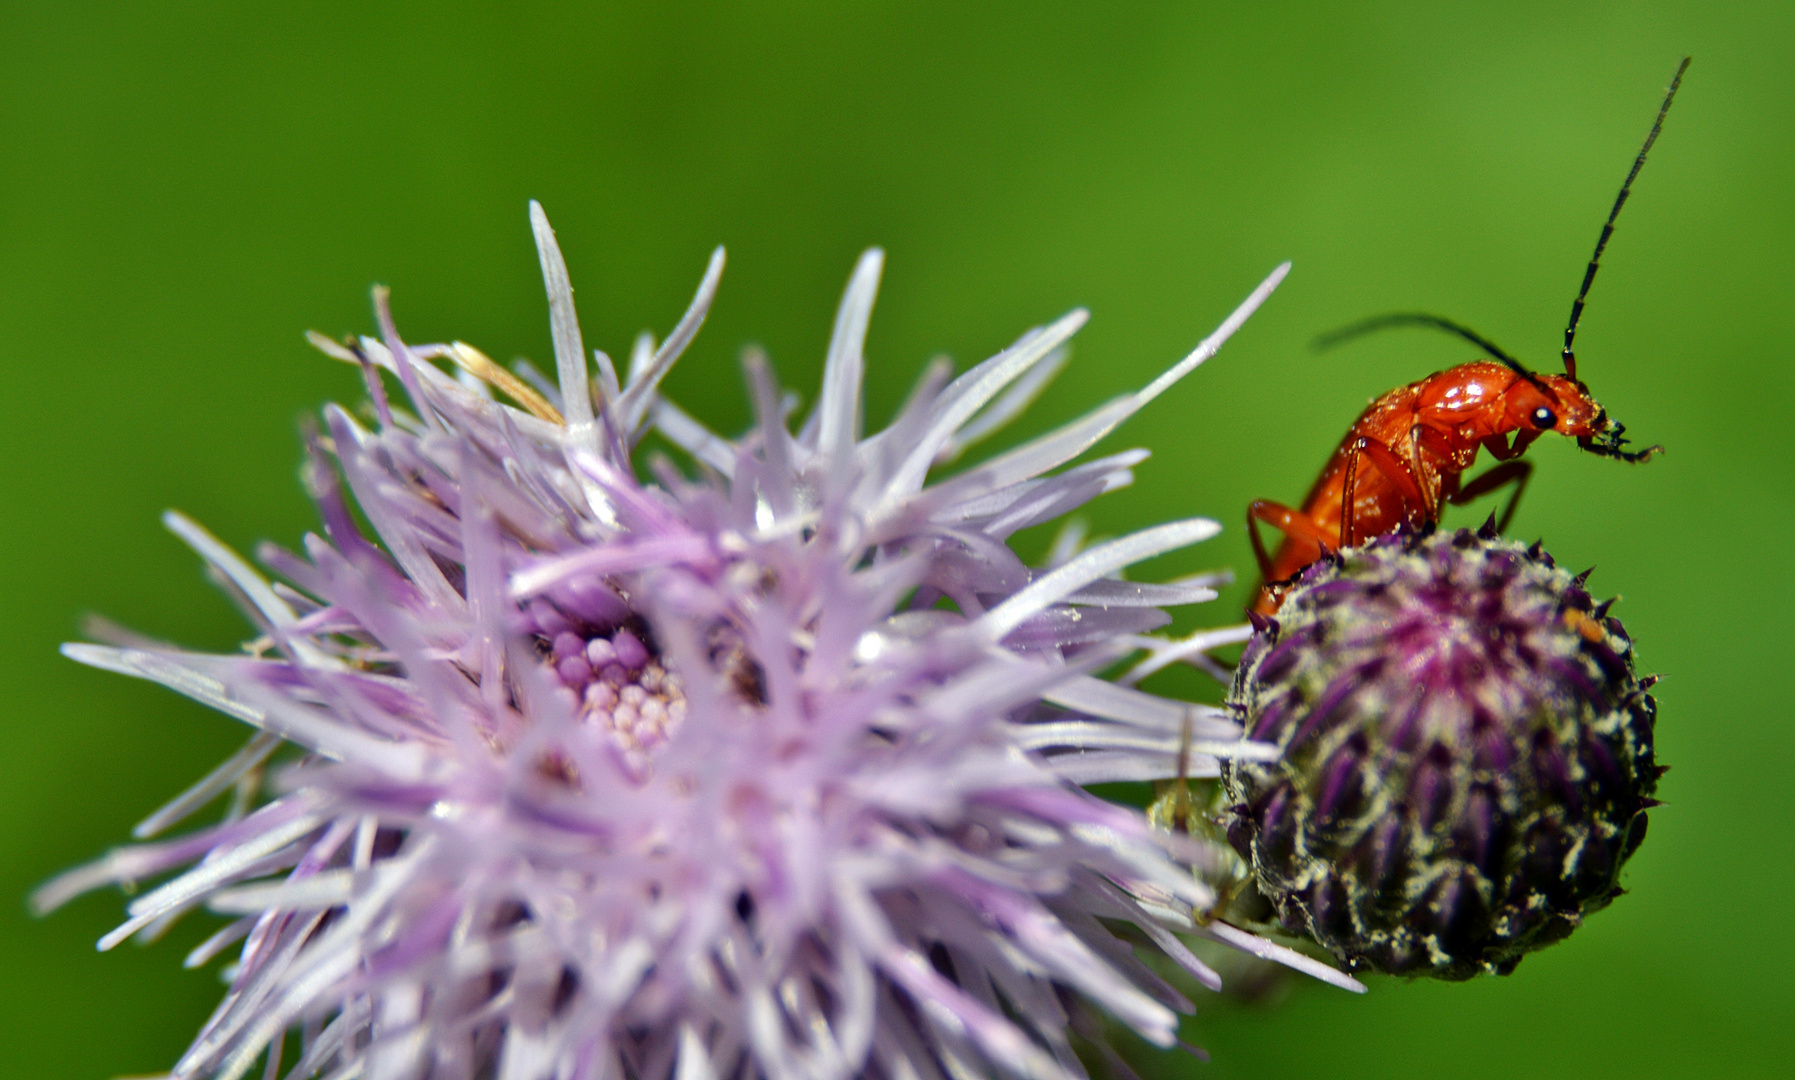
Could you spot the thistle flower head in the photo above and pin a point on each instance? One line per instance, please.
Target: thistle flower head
(765, 770)
(1467, 754)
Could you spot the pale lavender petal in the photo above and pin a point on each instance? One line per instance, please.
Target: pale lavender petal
(636, 400)
(838, 408)
(1013, 403)
(969, 393)
(1102, 560)
(564, 324)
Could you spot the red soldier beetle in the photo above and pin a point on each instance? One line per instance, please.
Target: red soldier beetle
(1401, 461)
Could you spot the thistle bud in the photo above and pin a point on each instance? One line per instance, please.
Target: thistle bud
(1467, 755)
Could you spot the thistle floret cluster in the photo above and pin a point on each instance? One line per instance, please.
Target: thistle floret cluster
(770, 767)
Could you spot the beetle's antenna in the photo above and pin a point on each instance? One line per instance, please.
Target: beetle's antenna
(1436, 322)
(1589, 275)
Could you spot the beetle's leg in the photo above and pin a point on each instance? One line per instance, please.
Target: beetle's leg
(1493, 479)
(1349, 493)
(1292, 523)
(1391, 466)
(1502, 450)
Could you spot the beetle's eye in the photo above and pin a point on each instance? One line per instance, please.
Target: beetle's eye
(1544, 419)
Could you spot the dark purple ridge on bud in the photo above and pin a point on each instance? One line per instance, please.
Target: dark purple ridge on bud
(1467, 755)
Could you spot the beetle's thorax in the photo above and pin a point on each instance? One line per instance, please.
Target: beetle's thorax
(1472, 402)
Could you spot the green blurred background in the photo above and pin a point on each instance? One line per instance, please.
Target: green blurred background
(184, 188)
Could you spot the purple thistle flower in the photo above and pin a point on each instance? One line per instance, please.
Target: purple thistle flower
(1467, 754)
(770, 771)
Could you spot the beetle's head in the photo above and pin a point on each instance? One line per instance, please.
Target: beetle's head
(1561, 404)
